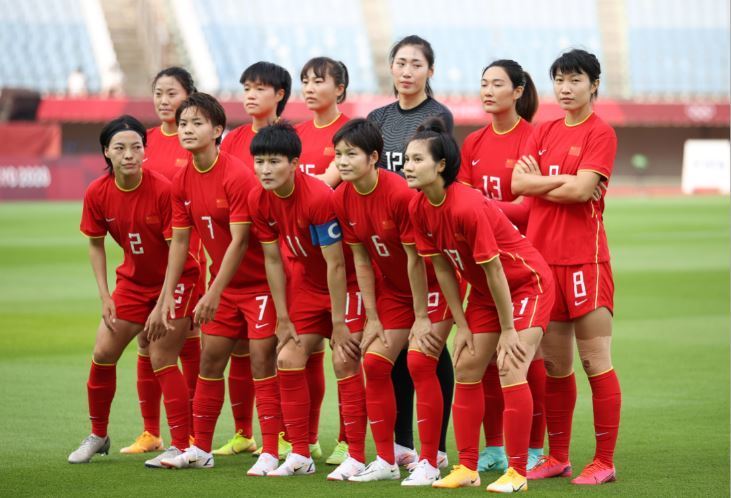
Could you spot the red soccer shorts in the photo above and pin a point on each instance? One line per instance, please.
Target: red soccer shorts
(134, 303)
(528, 312)
(243, 314)
(580, 289)
(396, 310)
(309, 311)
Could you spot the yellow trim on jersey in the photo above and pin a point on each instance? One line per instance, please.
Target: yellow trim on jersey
(326, 125)
(291, 369)
(239, 223)
(593, 171)
(440, 202)
(269, 241)
(215, 161)
(487, 260)
(601, 373)
(580, 122)
(265, 378)
(288, 195)
(516, 384)
(92, 236)
(408, 243)
(102, 364)
(469, 383)
(430, 254)
(142, 174)
(165, 368)
(209, 379)
(143, 355)
(378, 176)
(533, 315)
(380, 356)
(346, 378)
(322, 351)
(560, 376)
(425, 354)
(162, 130)
(168, 239)
(182, 228)
(354, 243)
(517, 256)
(508, 131)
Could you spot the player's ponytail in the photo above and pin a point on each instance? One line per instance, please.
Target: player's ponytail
(527, 105)
(322, 66)
(442, 146)
(122, 123)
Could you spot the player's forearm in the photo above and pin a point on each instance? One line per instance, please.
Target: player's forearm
(337, 286)
(177, 254)
(417, 281)
(450, 289)
(331, 176)
(277, 284)
(571, 192)
(98, 260)
(230, 264)
(529, 184)
(366, 280)
(500, 290)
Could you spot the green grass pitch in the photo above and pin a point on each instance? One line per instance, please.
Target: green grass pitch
(671, 351)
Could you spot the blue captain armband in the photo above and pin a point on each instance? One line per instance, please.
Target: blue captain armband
(326, 234)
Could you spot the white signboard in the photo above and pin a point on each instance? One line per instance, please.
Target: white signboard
(706, 166)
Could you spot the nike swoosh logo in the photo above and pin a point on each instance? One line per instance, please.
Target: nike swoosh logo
(272, 223)
(516, 318)
(187, 203)
(554, 433)
(421, 420)
(237, 404)
(145, 159)
(601, 434)
(474, 481)
(515, 490)
(376, 422)
(348, 423)
(430, 311)
(268, 417)
(579, 303)
(352, 224)
(260, 325)
(541, 152)
(429, 234)
(474, 163)
(109, 220)
(348, 320)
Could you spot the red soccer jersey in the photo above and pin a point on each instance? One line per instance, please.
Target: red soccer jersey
(488, 159)
(238, 142)
(571, 234)
(164, 153)
(469, 229)
(305, 220)
(318, 150)
(380, 221)
(211, 201)
(139, 221)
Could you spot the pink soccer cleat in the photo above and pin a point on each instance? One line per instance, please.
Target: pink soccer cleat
(596, 473)
(548, 466)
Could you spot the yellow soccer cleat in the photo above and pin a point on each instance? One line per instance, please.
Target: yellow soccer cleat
(144, 443)
(316, 450)
(509, 482)
(285, 448)
(237, 444)
(339, 454)
(460, 477)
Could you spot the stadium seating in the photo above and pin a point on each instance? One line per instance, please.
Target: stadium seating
(42, 42)
(469, 34)
(678, 49)
(241, 33)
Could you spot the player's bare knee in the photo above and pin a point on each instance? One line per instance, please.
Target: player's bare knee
(344, 368)
(263, 366)
(557, 368)
(467, 370)
(288, 359)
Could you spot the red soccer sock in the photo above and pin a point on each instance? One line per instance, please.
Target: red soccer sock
(537, 381)
(607, 400)
(381, 404)
(429, 403)
(494, 406)
(190, 359)
(270, 414)
(241, 393)
(177, 404)
(342, 436)
(316, 383)
(560, 403)
(209, 394)
(517, 416)
(295, 397)
(150, 394)
(100, 390)
(468, 411)
(353, 414)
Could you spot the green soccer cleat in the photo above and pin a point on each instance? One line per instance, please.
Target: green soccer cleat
(339, 454)
(315, 450)
(237, 444)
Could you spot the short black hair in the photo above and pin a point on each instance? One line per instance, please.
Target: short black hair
(181, 75)
(122, 123)
(441, 146)
(277, 139)
(577, 61)
(271, 75)
(361, 133)
(206, 105)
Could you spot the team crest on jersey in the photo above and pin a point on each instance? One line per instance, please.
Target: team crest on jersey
(329, 151)
(575, 150)
(221, 203)
(388, 224)
(181, 162)
(510, 163)
(152, 219)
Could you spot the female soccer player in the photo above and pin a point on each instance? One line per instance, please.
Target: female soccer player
(511, 291)
(403, 304)
(210, 195)
(266, 88)
(321, 304)
(134, 207)
(165, 155)
(324, 86)
(508, 94)
(566, 161)
(412, 65)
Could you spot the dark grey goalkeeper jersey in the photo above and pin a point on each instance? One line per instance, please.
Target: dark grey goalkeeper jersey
(398, 126)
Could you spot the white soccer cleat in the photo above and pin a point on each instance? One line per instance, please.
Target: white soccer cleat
(156, 463)
(378, 470)
(294, 465)
(442, 460)
(265, 464)
(90, 446)
(193, 457)
(345, 470)
(423, 474)
(404, 456)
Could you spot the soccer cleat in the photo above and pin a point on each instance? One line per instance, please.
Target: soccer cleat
(596, 473)
(404, 456)
(315, 450)
(510, 482)
(460, 477)
(265, 464)
(548, 466)
(492, 458)
(339, 454)
(90, 446)
(144, 443)
(193, 457)
(345, 470)
(534, 456)
(156, 463)
(284, 448)
(423, 474)
(378, 470)
(237, 444)
(294, 465)
(442, 460)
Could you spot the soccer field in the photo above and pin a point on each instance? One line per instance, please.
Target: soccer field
(671, 351)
